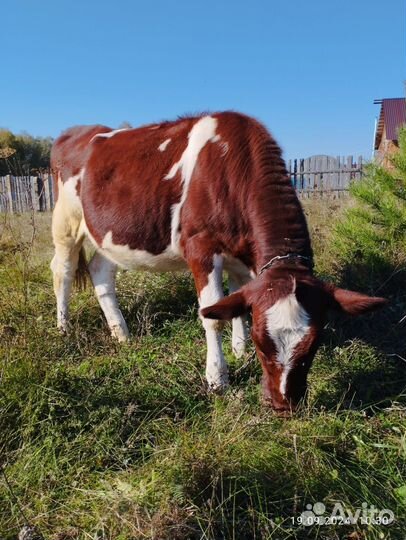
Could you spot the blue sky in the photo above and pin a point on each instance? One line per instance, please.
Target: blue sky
(309, 70)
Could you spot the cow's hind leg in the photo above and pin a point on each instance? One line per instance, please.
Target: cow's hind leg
(239, 324)
(68, 241)
(103, 275)
(207, 269)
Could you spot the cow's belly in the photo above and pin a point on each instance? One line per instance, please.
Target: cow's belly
(139, 259)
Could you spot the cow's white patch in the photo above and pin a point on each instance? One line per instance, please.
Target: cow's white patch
(216, 367)
(162, 146)
(68, 194)
(201, 133)
(287, 323)
(213, 291)
(139, 259)
(109, 133)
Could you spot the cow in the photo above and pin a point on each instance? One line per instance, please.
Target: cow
(208, 193)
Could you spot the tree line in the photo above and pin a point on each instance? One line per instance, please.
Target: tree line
(23, 154)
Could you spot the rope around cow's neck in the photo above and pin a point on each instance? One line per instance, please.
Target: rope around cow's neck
(282, 258)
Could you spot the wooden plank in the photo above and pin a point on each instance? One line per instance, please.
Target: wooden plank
(47, 194)
(360, 166)
(342, 172)
(324, 174)
(27, 194)
(3, 197)
(349, 169)
(19, 190)
(312, 175)
(14, 194)
(9, 194)
(328, 179)
(51, 191)
(33, 195)
(299, 173)
(336, 173)
(41, 194)
(40, 198)
(316, 175)
(18, 183)
(306, 170)
(295, 173)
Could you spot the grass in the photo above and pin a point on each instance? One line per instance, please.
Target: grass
(108, 441)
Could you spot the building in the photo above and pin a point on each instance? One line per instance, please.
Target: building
(392, 116)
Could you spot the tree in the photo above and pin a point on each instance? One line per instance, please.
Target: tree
(23, 154)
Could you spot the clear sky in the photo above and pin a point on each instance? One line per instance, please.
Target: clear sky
(309, 70)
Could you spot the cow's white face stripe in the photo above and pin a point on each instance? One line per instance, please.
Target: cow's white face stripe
(201, 133)
(287, 323)
(162, 146)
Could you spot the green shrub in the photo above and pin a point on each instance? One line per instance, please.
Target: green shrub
(372, 234)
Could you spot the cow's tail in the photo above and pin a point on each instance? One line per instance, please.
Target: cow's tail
(82, 271)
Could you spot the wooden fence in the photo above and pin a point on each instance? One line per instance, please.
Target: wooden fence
(320, 176)
(20, 194)
(317, 176)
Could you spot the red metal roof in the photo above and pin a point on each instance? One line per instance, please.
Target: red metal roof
(392, 117)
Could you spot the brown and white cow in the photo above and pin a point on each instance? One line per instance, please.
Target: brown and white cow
(208, 193)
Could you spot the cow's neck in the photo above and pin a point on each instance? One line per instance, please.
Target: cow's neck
(279, 225)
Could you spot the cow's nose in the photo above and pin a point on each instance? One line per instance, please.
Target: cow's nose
(284, 412)
(282, 408)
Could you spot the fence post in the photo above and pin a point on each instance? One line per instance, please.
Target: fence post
(45, 184)
(360, 166)
(33, 195)
(9, 193)
(41, 194)
(51, 190)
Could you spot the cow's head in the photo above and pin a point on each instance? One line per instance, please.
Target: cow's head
(288, 315)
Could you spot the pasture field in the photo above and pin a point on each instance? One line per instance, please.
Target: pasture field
(110, 441)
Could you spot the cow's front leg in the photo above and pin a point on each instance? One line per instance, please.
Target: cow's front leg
(207, 272)
(240, 331)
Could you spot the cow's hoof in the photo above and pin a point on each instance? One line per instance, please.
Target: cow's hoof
(238, 349)
(120, 334)
(218, 388)
(63, 330)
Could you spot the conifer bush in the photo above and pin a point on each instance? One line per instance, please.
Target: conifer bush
(371, 237)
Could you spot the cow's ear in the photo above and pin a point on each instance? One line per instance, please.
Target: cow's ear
(352, 302)
(227, 308)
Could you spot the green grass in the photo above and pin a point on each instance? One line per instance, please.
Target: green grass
(101, 440)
